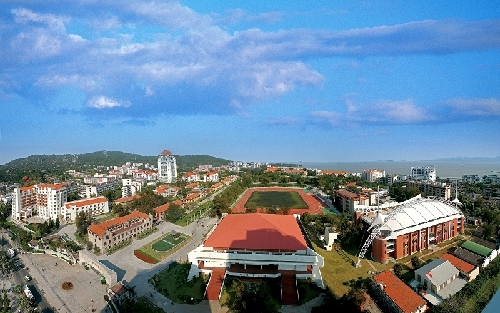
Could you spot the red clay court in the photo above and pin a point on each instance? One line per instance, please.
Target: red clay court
(312, 202)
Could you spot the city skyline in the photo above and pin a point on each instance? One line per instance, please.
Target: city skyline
(278, 82)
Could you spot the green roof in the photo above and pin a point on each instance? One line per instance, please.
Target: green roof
(476, 248)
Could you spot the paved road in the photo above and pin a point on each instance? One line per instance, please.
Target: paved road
(21, 270)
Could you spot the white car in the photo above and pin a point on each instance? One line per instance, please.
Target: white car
(27, 278)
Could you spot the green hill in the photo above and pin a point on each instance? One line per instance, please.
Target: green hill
(40, 167)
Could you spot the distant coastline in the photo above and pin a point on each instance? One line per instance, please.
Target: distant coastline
(444, 169)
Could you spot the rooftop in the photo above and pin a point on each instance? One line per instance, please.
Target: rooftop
(402, 295)
(84, 202)
(419, 211)
(460, 264)
(438, 271)
(476, 248)
(100, 229)
(468, 256)
(257, 232)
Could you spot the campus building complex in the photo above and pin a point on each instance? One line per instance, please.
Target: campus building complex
(46, 200)
(256, 245)
(167, 167)
(432, 189)
(95, 206)
(423, 173)
(422, 223)
(107, 234)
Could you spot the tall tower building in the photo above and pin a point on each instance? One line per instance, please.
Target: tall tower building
(167, 168)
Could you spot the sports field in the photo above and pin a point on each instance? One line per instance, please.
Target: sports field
(168, 242)
(276, 199)
(312, 204)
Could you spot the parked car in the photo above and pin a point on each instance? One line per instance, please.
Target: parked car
(27, 278)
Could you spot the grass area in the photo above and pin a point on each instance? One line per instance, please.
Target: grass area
(307, 290)
(338, 270)
(168, 242)
(148, 250)
(269, 199)
(105, 217)
(172, 283)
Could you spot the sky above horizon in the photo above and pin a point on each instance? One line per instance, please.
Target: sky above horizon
(284, 81)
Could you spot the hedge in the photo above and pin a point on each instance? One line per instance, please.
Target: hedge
(146, 258)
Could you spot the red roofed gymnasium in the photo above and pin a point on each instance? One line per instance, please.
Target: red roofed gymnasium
(256, 245)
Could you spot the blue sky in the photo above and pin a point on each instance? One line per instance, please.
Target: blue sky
(283, 81)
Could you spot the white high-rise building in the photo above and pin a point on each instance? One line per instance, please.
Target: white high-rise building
(167, 168)
(427, 172)
(46, 200)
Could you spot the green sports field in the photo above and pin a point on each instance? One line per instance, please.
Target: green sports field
(270, 199)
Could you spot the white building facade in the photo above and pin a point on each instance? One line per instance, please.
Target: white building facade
(95, 206)
(167, 167)
(46, 200)
(427, 172)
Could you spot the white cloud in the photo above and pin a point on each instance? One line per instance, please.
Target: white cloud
(23, 15)
(378, 112)
(103, 102)
(475, 107)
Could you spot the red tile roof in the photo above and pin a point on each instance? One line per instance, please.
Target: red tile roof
(166, 152)
(458, 263)
(162, 208)
(84, 202)
(127, 199)
(257, 231)
(402, 295)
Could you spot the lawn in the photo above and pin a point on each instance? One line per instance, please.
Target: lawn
(164, 242)
(339, 269)
(172, 283)
(270, 199)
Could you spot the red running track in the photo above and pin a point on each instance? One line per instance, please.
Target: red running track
(312, 202)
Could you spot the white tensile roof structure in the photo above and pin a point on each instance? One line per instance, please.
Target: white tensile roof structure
(423, 212)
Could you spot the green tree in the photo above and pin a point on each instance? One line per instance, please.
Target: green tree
(398, 269)
(174, 213)
(82, 222)
(416, 262)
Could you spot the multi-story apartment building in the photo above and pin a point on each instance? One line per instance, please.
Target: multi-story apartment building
(191, 177)
(167, 190)
(97, 190)
(211, 177)
(427, 172)
(108, 234)
(167, 167)
(372, 175)
(130, 187)
(347, 200)
(46, 200)
(95, 206)
(432, 189)
(422, 223)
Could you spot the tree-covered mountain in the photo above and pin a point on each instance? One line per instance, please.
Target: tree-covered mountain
(40, 167)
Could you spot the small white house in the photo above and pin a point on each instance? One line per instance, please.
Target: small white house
(330, 237)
